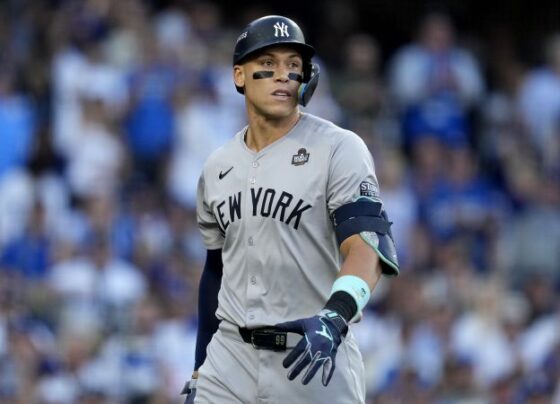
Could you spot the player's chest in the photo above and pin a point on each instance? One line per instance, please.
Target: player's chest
(282, 186)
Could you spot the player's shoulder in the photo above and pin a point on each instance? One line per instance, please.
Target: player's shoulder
(225, 151)
(338, 138)
(326, 131)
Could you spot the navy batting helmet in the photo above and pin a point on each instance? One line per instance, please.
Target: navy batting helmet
(273, 30)
(269, 31)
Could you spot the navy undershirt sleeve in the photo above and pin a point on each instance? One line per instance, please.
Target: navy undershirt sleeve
(210, 281)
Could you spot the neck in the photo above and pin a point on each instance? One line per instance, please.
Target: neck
(264, 131)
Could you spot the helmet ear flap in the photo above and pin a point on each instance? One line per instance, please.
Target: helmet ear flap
(310, 81)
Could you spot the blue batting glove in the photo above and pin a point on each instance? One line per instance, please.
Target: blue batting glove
(322, 334)
(190, 391)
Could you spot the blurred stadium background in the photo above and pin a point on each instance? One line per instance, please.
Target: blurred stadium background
(109, 108)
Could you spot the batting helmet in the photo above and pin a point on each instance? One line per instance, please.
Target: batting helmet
(275, 30)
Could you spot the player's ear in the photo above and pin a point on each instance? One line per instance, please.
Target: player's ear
(239, 76)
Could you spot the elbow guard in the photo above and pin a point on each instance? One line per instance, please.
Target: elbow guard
(368, 219)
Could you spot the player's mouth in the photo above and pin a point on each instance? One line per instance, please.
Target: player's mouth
(282, 94)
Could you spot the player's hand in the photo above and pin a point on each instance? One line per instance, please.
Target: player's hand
(322, 334)
(190, 389)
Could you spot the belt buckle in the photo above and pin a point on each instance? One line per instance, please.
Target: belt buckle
(253, 343)
(253, 340)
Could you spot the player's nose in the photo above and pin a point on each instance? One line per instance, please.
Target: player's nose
(281, 74)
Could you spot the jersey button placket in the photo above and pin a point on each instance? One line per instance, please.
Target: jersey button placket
(252, 284)
(253, 172)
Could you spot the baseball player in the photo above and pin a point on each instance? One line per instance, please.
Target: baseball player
(297, 238)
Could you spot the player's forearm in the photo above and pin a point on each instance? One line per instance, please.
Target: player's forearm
(360, 260)
(359, 274)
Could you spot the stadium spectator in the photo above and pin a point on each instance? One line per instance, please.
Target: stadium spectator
(17, 124)
(539, 102)
(435, 82)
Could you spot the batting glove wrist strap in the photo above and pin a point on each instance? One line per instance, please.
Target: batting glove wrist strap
(190, 386)
(321, 336)
(335, 319)
(343, 304)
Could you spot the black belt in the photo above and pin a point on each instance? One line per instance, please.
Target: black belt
(265, 338)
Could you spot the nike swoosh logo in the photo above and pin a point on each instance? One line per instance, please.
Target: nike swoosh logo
(222, 175)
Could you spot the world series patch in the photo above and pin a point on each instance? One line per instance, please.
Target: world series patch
(300, 158)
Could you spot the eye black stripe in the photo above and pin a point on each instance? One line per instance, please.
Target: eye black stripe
(262, 75)
(265, 74)
(295, 77)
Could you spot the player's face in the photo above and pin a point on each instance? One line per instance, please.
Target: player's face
(274, 96)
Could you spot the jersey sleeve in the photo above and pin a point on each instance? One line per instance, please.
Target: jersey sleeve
(207, 223)
(351, 173)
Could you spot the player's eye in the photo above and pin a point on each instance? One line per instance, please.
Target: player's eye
(294, 65)
(267, 63)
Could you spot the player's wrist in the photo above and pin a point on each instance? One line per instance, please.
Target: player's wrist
(343, 304)
(351, 294)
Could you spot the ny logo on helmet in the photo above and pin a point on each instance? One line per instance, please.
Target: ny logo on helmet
(281, 29)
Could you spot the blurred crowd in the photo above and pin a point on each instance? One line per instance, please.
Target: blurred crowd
(108, 110)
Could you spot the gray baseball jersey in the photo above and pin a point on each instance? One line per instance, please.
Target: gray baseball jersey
(270, 213)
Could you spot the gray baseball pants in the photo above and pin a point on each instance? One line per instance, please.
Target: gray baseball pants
(234, 372)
